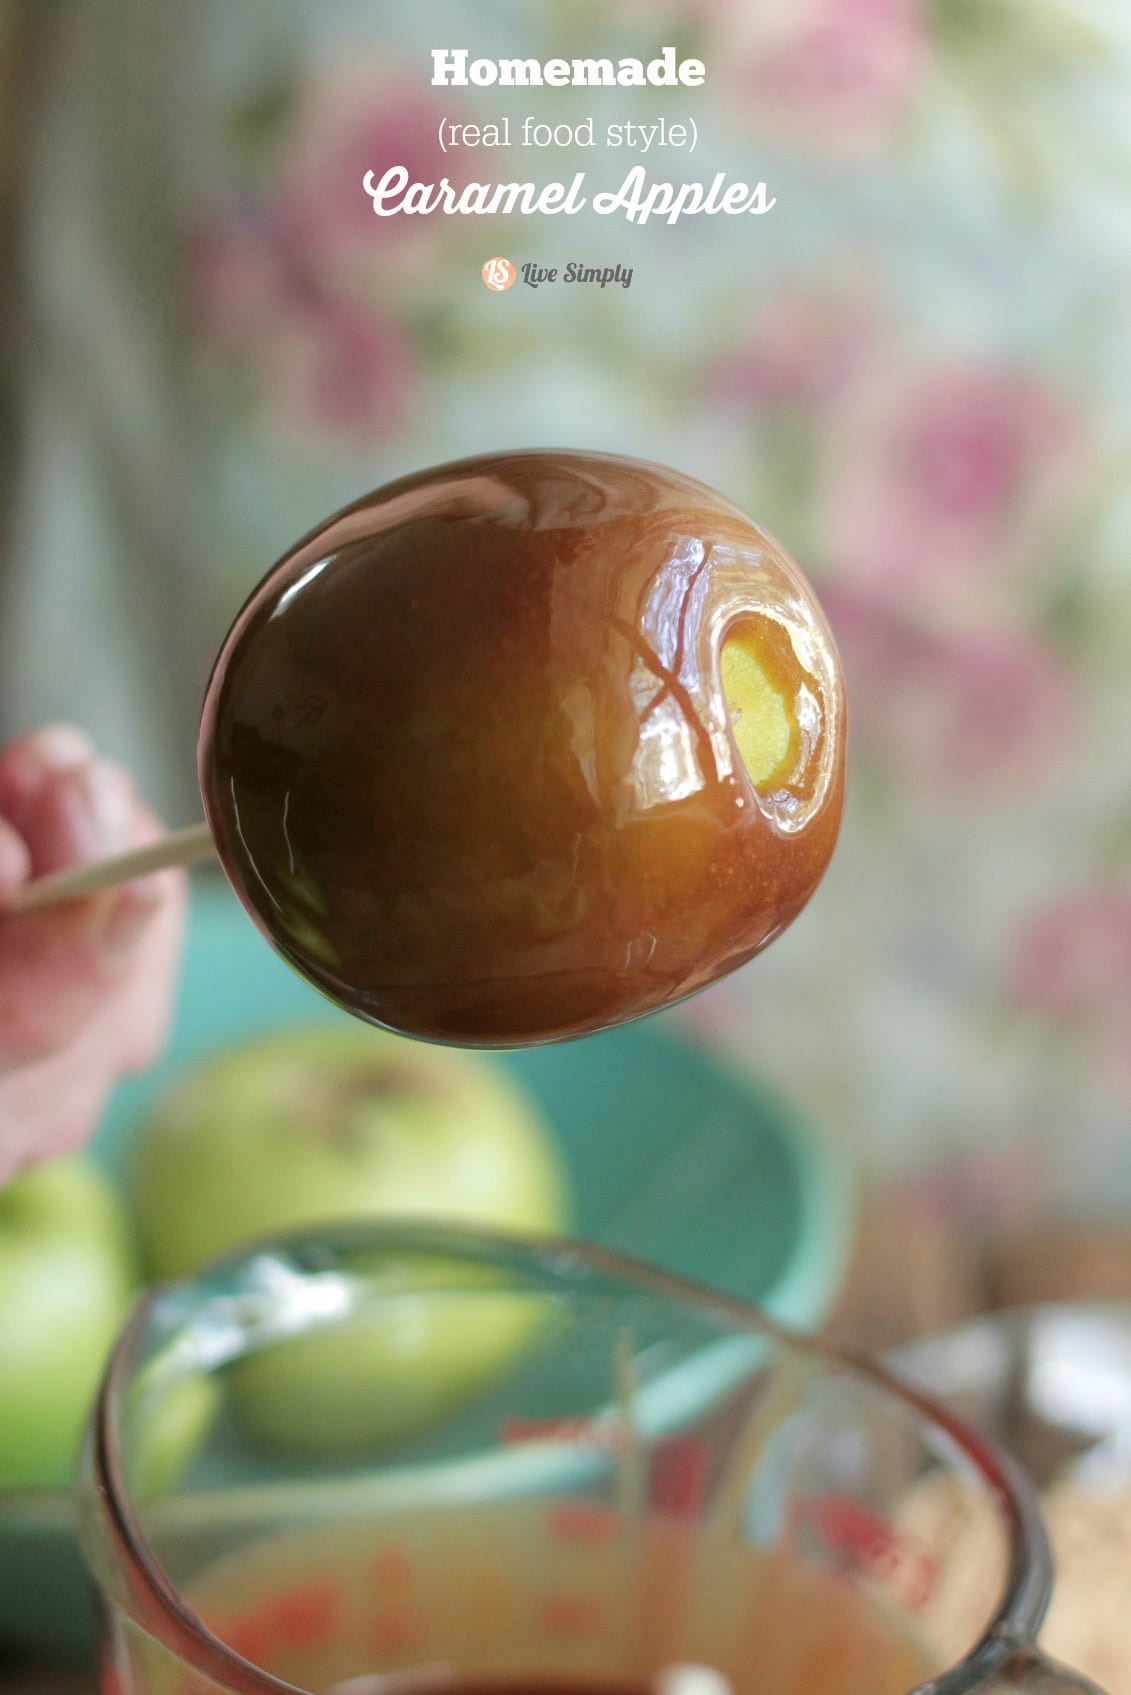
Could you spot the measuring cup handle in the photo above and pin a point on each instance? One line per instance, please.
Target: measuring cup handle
(1030, 1673)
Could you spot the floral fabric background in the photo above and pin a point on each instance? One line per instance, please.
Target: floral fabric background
(914, 370)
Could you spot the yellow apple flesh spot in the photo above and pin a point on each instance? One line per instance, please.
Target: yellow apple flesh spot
(761, 721)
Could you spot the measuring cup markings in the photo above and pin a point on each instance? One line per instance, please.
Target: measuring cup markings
(677, 1478)
(581, 1539)
(581, 1521)
(677, 1465)
(690, 1569)
(307, 1615)
(247, 1636)
(864, 1540)
(393, 1623)
(296, 1620)
(581, 1432)
(566, 1613)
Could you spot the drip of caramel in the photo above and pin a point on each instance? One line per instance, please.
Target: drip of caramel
(524, 746)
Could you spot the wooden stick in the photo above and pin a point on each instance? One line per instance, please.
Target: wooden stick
(180, 847)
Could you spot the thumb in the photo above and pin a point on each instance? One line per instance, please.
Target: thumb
(57, 966)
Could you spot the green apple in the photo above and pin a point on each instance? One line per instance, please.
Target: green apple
(317, 1126)
(66, 1279)
(392, 1370)
(166, 1415)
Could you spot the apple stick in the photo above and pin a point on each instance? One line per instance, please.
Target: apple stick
(180, 847)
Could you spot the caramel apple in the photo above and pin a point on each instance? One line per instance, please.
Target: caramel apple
(525, 745)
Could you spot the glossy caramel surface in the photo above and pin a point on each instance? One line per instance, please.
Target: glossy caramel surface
(468, 761)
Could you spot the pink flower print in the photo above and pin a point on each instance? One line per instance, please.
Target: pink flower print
(949, 713)
(835, 76)
(952, 472)
(341, 369)
(318, 363)
(285, 283)
(802, 351)
(232, 278)
(352, 119)
(1070, 967)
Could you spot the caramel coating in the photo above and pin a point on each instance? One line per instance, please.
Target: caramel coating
(469, 766)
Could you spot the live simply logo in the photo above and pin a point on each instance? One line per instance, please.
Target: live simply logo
(499, 274)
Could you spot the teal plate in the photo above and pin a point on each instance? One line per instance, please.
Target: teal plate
(673, 1158)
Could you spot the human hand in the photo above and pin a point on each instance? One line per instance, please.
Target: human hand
(86, 988)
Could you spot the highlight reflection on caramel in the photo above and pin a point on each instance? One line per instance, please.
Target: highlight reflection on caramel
(473, 752)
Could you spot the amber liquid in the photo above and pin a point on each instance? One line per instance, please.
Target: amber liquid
(548, 1599)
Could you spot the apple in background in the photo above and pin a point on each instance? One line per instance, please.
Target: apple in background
(316, 1126)
(180, 1407)
(327, 1124)
(67, 1275)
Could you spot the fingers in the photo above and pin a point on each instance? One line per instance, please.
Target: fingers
(134, 1020)
(52, 1103)
(27, 765)
(50, 1108)
(140, 1013)
(57, 967)
(73, 814)
(86, 987)
(15, 861)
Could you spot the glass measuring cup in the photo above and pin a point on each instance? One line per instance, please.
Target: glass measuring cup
(392, 1458)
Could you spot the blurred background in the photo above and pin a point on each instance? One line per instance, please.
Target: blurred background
(911, 370)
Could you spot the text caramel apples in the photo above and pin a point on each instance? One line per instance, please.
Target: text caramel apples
(525, 745)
